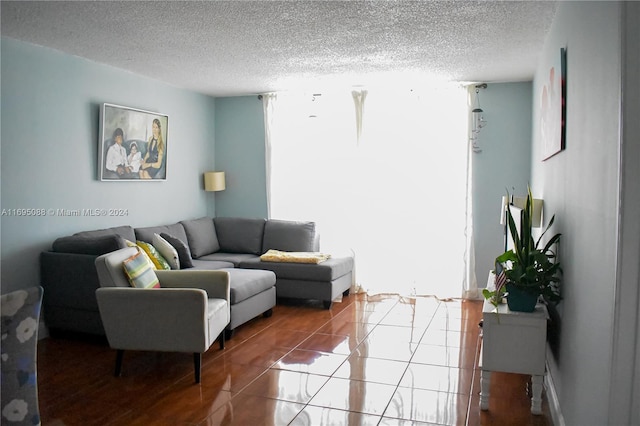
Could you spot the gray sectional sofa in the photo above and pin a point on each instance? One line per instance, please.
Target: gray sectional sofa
(69, 277)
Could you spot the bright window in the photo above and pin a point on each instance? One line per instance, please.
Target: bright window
(395, 199)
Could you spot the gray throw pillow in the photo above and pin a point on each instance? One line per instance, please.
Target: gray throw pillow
(184, 254)
(288, 235)
(240, 235)
(201, 236)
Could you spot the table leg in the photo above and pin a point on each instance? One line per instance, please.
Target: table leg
(536, 397)
(485, 381)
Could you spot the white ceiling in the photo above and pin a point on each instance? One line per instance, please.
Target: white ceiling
(226, 48)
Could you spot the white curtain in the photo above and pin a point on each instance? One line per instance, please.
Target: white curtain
(396, 200)
(469, 284)
(268, 105)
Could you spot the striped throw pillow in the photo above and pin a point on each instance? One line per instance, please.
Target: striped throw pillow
(146, 256)
(140, 273)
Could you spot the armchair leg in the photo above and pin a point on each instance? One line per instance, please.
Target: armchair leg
(197, 365)
(222, 338)
(119, 356)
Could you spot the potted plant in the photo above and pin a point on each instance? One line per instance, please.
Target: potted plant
(530, 271)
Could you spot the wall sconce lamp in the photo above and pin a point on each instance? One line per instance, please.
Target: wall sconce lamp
(477, 120)
(214, 181)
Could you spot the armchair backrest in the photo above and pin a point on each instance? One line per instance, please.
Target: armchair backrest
(110, 269)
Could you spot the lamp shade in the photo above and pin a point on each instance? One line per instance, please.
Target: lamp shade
(214, 181)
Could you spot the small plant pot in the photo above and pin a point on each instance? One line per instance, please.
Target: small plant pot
(520, 300)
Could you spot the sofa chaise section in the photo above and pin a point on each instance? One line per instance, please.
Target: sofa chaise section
(324, 281)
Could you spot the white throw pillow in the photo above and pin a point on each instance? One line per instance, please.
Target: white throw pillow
(167, 251)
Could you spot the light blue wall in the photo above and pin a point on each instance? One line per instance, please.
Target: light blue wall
(581, 186)
(240, 154)
(50, 120)
(504, 164)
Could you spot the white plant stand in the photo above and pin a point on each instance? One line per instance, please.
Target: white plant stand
(513, 342)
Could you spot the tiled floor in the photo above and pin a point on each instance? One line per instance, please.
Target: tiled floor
(381, 360)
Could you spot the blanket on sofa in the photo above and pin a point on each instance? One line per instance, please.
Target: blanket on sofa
(294, 257)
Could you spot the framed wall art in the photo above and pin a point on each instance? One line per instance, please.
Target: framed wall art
(133, 144)
(553, 108)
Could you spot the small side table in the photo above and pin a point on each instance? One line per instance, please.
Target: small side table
(513, 342)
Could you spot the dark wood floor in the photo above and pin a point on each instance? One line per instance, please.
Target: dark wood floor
(382, 360)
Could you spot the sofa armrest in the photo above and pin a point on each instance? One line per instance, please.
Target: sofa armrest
(166, 319)
(69, 280)
(215, 283)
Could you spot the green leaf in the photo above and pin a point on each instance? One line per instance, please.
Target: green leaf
(530, 268)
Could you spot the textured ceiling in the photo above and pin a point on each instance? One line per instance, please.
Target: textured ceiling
(227, 48)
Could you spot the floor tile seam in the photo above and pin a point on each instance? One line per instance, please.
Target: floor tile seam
(318, 351)
(286, 400)
(236, 347)
(283, 356)
(466, 370)
(435, 390)
(265, 371)
(311, 334)
(340, 409)
(326, 352)
(309, 404)
(374, 381)
(443, 346)
(474, 377)
(329, 376)
(334, 409)
(359, 340)
(394, 391)
(416, 420)
(347, 335)
(341, 378)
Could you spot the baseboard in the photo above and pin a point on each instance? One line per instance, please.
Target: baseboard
(552, 399)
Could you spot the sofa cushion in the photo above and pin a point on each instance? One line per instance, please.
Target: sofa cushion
(167, 251)
(139, 273)
(201, 235)
(329, 270)
(184, 254)
(244, 283)
(211, 264)
(125, 232)
(158, 260)
(235, 258)
(146, 233)
(287, 235)
(240, 235)
(89, 245)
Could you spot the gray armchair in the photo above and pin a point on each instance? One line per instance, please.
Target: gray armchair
(187, 314)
